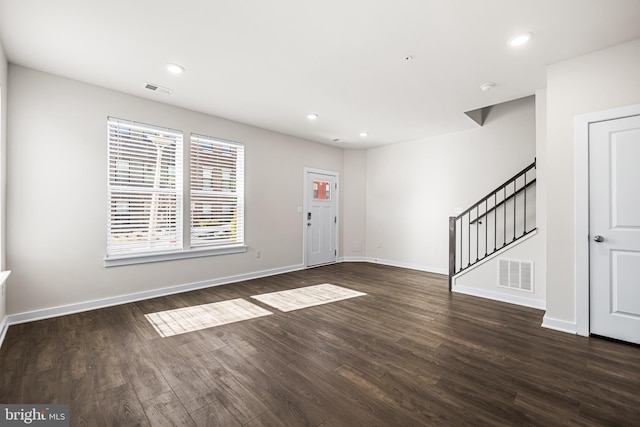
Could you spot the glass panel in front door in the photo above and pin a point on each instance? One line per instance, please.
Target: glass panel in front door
(321, 190)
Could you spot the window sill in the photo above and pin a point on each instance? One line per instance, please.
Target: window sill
(4, 275)
(115, 261)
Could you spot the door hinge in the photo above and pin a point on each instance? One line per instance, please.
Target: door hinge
(335, 252)
(335, 219)
(336, 185)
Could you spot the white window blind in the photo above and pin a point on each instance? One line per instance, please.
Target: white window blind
(145, 188)
(217, 192)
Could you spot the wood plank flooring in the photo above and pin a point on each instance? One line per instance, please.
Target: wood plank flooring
(408, 353)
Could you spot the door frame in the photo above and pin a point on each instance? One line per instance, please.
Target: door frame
(581, 205)
(305, 209)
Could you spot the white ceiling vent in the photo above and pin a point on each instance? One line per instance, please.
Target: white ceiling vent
(515, 274)
(158, 88)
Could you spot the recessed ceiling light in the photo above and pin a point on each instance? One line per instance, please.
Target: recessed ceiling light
(519, 40)
(175, 68)
(364, 134)
(312, 116)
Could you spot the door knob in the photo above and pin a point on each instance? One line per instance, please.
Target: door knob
(598, 239)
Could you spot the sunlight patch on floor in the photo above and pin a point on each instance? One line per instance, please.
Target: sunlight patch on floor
(309, 296)
(182, 320)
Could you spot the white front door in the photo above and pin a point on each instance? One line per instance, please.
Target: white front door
(320, 217)
(614, 228)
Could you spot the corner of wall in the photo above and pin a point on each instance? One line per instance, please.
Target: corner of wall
(541, 187)
(354, 205)
(3, 167)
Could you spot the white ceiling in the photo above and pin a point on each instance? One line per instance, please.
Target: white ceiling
(270, 63)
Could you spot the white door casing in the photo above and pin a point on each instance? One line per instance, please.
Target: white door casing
(581, 232)
(614, 224)
(320, 217)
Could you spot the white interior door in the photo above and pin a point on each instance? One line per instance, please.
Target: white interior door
(321, 218)
(614, 228)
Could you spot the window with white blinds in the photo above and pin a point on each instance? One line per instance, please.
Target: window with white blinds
(144, 187)
(217, 192)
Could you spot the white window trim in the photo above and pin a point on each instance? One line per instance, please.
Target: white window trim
(133, 258)
(141, 258)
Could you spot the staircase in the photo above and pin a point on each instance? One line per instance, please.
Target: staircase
(501, 218)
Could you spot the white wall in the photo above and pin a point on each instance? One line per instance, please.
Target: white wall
(412, 188)
(354, 206)
(3, 145)
(57, 201)
(602, 80)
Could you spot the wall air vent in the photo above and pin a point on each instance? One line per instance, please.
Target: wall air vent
(158, 88)
(515, 274)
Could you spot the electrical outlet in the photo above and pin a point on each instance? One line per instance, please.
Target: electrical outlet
(258, 254)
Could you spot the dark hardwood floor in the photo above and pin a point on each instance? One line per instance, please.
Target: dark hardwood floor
(408, 353)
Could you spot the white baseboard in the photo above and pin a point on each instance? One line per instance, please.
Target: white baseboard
(354, 259)
(559, 325)
(46, 313)
(498, 296)
(391, 263)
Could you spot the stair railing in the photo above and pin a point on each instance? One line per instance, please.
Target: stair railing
(499, 219)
